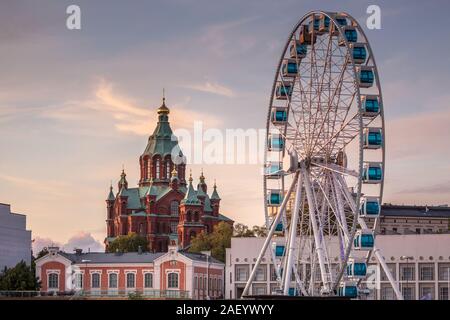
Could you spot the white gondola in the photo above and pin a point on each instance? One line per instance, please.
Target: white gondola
(284, 90)
(273, 170)
(370, 207)
(274, 197)
(306, 37)
(356, 268)
(373, 138)
(372, 172)
(366, 76)
(370, 105)
(364, 240)
(289, 68)
(275, 142)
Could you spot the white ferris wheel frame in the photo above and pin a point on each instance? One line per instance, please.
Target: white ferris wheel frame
(335, 185)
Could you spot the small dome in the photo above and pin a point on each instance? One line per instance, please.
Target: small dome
(163, 109)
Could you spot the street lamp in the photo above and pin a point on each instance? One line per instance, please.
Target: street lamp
(207, 254)
(407, 258)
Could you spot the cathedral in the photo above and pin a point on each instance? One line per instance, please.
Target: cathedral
(164, 207)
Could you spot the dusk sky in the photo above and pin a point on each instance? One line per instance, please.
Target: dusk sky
(76, 105)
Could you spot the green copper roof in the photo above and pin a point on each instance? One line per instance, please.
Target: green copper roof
(111, 194)
(215, 195)
(191, 195)
(162, 141)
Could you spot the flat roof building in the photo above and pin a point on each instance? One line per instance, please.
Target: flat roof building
(15, 239)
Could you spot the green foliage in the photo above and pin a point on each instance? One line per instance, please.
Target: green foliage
(241, 230)
(217, 241)
(128, 243)
(135, 296)
(42, 253)
(260, 231)
(19, 278)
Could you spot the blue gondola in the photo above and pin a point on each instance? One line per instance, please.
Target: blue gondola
(324, 23)
(273, 170)
(292, 292)
(366, 77)
(279, 251)
(348, 289)
(372, 172)
(275, 142)
(279, 227)
(289, 68)
(370, 105)
(274, 198)
(283, 90)
(359, 53)
(351, 35)
(298, 50)
(341, 20)
(370, 207)
(278, 115)
(364, 240)
(356, 268)
(305, 36)
(373, 138)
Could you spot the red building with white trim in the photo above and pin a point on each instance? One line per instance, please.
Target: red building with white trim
(163, 207)
(174, 274)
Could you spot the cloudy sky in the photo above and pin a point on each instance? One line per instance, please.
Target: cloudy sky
(77, 105)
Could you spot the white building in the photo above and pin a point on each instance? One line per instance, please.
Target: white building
(424, 274)
(15, 240)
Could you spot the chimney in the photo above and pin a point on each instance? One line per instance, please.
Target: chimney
(78, 251)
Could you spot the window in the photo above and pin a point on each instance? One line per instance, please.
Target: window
(273, 274)
(174, 208)
(443, 292)
(157, 169)
(444, 271)
(195, 283)
(131, 279)
(167, 169)
(79, 281)
(261, 273)
(172, 280)
(53, 281)
(173, 227)
(241, 272)
(113, 280)
(407, 272)
(408, 292)
(426, 272)
(426, 292)
(259, 289)
(391, 267)
(387, 293)
(95, 280)
(200, 283)
(148, 280)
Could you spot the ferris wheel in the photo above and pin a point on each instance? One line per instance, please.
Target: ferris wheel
(324, 161)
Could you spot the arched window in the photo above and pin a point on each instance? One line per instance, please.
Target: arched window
(148, 280)
(195, 216)
(174, 208)
(188, 216)
(172, 280)
(158, 164)
(113, 280)
(53, 281)
(141, 228)
(95, 280)
(131, 280)
(168, 169)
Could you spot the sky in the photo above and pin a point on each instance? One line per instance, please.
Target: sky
(77, 105)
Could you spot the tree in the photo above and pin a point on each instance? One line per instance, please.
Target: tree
(42, 253)
(19, 278)
(260, 231)
(217, 241)
(128, 243)
(241, 230)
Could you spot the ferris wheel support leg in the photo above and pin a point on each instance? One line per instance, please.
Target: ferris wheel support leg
(387, 271)
(292, 235)
(317, 240)
(270, 235)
